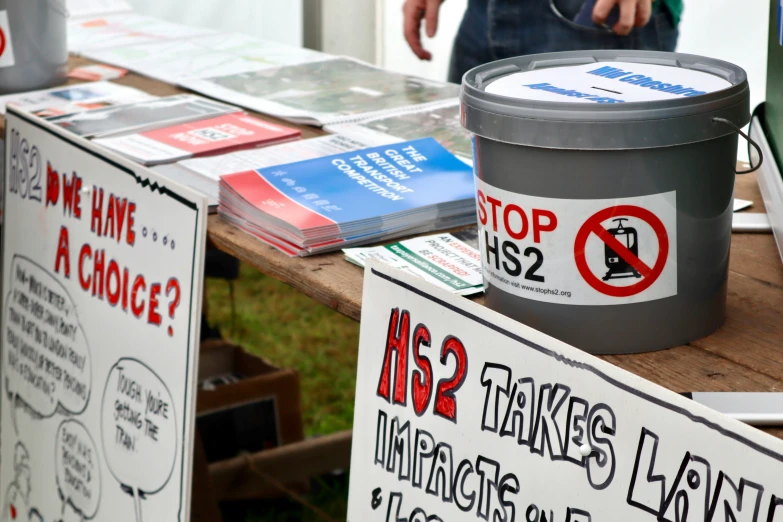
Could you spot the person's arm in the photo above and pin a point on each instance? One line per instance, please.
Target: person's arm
(633, 13)
(413, 11)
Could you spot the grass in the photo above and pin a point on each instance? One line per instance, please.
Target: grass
(292, 331)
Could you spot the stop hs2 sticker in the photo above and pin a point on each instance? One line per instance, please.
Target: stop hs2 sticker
(578, 251)
(6, 48)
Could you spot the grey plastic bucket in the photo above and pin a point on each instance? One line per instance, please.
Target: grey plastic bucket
(597, 163)
(37, 44)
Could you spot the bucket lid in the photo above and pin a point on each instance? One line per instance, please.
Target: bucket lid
(604, 100)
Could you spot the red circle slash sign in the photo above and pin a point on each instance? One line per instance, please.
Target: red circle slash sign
(2, 41)
(593, 225)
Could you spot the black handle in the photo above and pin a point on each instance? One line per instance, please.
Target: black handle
(749, 140)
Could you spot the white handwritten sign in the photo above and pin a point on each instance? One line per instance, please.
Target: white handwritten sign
(101, 281)
(463, 414)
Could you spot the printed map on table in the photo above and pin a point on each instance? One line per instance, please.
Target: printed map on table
(441, 123)
(324, 92)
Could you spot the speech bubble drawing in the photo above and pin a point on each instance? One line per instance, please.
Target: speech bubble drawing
(139, 429)
(46, 357)
(78, 471)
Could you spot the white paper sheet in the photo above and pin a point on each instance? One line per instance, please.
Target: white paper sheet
(82, 8)
(210, 55)
(86, 34)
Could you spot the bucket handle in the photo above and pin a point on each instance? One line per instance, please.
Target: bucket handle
(749, 140)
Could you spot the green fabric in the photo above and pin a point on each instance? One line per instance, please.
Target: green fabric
(773, 107)
(676, 7)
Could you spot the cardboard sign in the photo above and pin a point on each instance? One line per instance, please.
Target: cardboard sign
(102, 267)
(6, 46)
(579, 251)
(463, 414)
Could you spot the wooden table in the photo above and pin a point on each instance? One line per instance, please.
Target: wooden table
(746, 354)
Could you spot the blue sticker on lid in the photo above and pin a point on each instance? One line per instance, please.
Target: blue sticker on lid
(780, 22)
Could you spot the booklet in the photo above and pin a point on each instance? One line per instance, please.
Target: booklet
(356, 197)
(85, 34)
(97, 72)
(440, 122)
(215, 166)
(173, 61)
(207, 187)
(82, 8)
(199, 138)
(203, 174)
(440, 259)
(139, 117)
(74, 98)
(337, 90)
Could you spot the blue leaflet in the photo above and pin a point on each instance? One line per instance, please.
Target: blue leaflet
(375, 182)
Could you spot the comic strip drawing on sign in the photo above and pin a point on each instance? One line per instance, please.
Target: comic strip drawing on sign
(78, 470)
(579, 251)
(463, 414)
(101, 263)
(138, 423)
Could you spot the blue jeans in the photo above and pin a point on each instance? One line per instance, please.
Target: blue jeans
(496, 29)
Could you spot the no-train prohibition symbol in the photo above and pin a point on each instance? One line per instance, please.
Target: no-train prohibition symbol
(625, 255)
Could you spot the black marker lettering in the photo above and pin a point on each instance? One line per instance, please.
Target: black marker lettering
(648, 489)
(380, 439)
(601, 463)
(520, 414)
(509, 485)
(464, 500)
(496, 379)
(425, 449)
(576, 436)
(489, 471)
(399, 447)
(577, 515)
(442, 472)
(772, 513)
(547, 433)
(735, 504)
(689, 497)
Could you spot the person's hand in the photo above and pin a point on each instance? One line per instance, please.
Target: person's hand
(412, 13)
(633, 13)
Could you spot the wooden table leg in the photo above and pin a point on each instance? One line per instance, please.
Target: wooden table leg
(203, 505)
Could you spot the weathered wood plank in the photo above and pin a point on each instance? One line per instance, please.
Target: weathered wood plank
(246, 475)
(328, 278)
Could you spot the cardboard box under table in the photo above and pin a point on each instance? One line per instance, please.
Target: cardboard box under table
(245, 406)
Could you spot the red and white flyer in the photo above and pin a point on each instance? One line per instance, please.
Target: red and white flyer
(199, 138)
